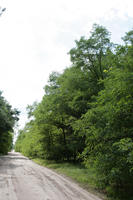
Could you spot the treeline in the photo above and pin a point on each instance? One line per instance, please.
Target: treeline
(86, 113)
(8, 117)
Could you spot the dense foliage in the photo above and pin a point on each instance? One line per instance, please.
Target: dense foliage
(8, 116)
(86, 113)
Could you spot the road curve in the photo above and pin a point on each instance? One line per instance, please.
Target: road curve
(22, 179)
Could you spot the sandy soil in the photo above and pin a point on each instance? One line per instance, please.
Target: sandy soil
(22, 179)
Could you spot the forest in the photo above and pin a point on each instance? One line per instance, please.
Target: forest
(8, 117)
(86, 113)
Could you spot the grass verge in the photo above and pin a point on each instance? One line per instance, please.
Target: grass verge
(86, 178)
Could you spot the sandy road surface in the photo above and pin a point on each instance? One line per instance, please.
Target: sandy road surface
(22, 179)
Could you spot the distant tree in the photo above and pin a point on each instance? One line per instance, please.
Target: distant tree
(8, 117)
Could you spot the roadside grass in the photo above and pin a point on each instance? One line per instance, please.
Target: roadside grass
(86, 178)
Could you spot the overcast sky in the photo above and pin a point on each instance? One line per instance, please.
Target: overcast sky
(36, 35)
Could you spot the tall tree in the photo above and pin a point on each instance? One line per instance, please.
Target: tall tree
(91, 54)
(108, 128)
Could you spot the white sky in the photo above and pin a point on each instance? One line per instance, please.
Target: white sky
(35, 36)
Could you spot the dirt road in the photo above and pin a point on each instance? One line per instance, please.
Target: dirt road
(22, 179)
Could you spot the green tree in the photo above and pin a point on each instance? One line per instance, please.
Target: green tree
(56, 116)
(91, 54)
(8, 117)
(108, 129)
